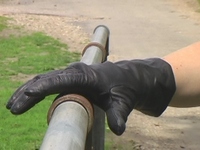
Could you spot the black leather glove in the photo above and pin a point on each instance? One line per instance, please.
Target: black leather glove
(118, 88)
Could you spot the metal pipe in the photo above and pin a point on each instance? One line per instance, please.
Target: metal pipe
(70, 119)
(97, 50)
(68, 130)
(71, 116)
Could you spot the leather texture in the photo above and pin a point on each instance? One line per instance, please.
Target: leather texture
(145, 85)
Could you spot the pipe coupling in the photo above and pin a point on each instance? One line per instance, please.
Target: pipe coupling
(73, 98)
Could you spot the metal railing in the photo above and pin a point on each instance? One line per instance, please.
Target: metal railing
(74, 124)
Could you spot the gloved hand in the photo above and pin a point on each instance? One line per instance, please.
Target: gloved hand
(118, 88)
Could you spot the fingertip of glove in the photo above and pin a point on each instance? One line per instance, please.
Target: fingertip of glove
(8, 105)
(116, 124)
(15, 110)
(118, 128)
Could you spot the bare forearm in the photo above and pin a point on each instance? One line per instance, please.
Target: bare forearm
(186, 67)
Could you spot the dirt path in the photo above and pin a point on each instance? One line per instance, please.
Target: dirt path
(138, 29)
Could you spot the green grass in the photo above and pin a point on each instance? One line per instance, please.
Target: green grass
(3, 23)
(29, 55)
(32, 54)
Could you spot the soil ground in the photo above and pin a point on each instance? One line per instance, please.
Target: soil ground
(139, 29)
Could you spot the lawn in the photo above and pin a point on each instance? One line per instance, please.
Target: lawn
(20, 58)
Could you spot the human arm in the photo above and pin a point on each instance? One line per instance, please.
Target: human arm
(185, 64)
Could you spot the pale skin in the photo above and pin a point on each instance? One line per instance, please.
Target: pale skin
(185, 64)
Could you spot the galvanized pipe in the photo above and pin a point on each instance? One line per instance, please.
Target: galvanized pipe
(97, 50)
(71, 135)
(70, 117)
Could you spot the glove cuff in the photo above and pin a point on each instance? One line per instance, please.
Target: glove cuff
(155, 83)
(163, 87)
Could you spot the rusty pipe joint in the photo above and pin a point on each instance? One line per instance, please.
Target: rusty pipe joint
(70, 119)
(73, 98)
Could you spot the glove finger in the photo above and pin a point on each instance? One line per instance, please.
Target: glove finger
(24, 103)
(19, 93)
(57, 83)
(119, 109)
(115, 121)
(19, 102)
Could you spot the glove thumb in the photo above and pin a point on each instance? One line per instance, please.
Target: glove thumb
(115, 121)
(120, 106)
